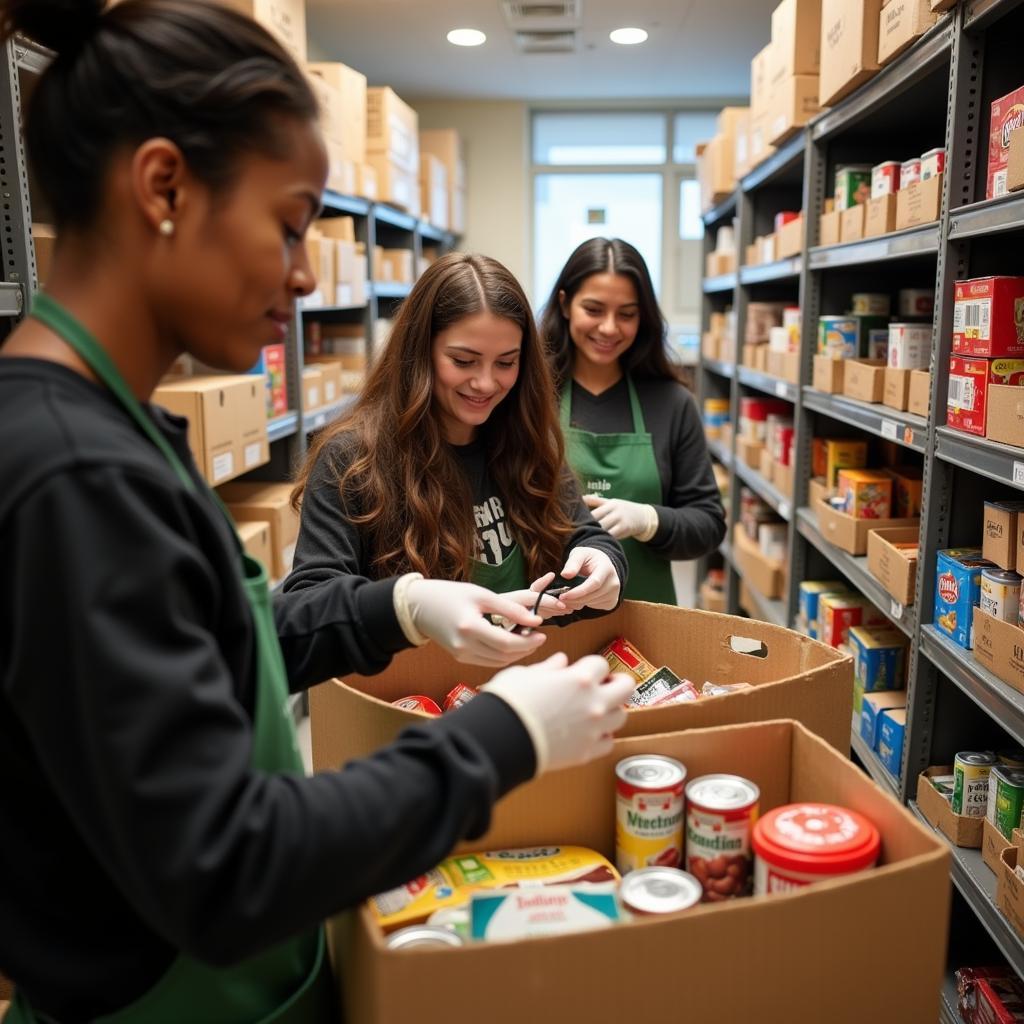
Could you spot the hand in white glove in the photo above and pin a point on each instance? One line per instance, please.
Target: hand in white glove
(549, 604)
(601, 587)
(452, 614)
(569, 711)
(622, 518)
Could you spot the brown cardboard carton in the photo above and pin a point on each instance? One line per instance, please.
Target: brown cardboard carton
(796, 40)
(790, 240)
(919, 203)
(828, 375)
(395, 185)
(255, 538)
(749, 452)
(851, 534)
(255, 502)
(919, 396)
(312, 388)
(286, 19)
(817, 491)
(741, 145)
(227, 416)
(943, 5)
(711, 600)
(367, 185)
(782, 477)
(330, 381)
(44, 241)
(381, 986)
(891, 566)
(760, 85)
(851, 224)
(760, 148)
(900, 23)
(992, 845)
(752, 255)
(709, 345)
(896, 389)
(880, 215)
(958, 828)
(392, 131)
(794, 102)
(1010, 889)
(1004, 418)
(348, 113)
(999, 646)
(761, 358)
(715, 170)
(830, 227)
(1014, 167)
(864, 379)
(718, 263)
(785, 365)
(446, 145)
(1000, 532)
(767, 464)
(765, 576)
(849, 46)
(799, 677)
(434, 190)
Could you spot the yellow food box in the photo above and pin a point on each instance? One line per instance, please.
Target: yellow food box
(843, 454)
(866, 493)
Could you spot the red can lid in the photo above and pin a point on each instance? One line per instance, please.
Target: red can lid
(816, 839)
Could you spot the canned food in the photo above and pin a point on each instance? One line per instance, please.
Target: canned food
(1005, 798)
(933, 163)
(721, 811)
(870, 304)
(659, 891)
(1000, 594)
(458, 695)
(885, 178)
(909, 346)
(798, 844)
(422, 936)
(917, 301)
(910, 172)
(452, 919)
(971, 770)
(648, 812)
(622, 656)
(878, 343)
(838, 336)
(1011, 758)
(853, 185)
(417, 702)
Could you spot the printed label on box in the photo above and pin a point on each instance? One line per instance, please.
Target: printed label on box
(223, 466)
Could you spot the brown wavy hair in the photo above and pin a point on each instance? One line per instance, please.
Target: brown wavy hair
(402, 485)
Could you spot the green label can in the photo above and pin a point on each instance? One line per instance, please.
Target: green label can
(1005, 798)
(971, 770)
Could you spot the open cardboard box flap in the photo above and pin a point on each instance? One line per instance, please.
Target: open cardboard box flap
(792, 676)
(590, 976)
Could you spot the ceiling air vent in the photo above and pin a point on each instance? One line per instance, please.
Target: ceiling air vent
(546, 42)
(519, 10)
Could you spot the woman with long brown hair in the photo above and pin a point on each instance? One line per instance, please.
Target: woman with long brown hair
(451, 463)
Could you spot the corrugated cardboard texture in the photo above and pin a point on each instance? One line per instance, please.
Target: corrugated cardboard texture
(960, 829)
(736, 962)
(896, 572)
(864, 379)
(999, 646)
(1010, 890)
(798, 678)
(896, 390)
(852, 534)
(992, 845)
(920, 392)
(919, 203)
(828, 374)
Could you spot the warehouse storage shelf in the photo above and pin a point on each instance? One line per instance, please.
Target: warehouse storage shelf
(948, 1013)
(720, 452)
(335, 202)
(902, 427)
(872, 765)
(768, 609)
(313, 312)
(391, 289)
(780, 270)
(1001, 462)
(989, 692)
(395, 218)
(319, 418)
(918, 62)
(725, 209)
(30, 56)
(12, 299)
(989, 217)
(764, 488)
(282, 426)
(782, 163)
(980, 14)
(900, 245)
(855, 569)
(767, 383)
(722, 283)
(723, 369)
(977, 885)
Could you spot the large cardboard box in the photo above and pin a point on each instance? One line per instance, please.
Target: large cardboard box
(785, 365)
(392, 131)
(798, 677)
(992, 845)
(796, 40)
(880, 215)
(741, 146)
(896, 389)
(446, 144)
(900, 23)
(255, 538)
(794, 102)
(851, 534)
(715, 170)
(434, 190)
(760, 148)
(849, 46)
(1004, 420)
(257, 502)
(285, 19)
(395, 185)
(227, 421)
(1000, 532)
(767, 577)
(345, 117)
(890, 565)
(760, 81)
(312, 388)
(919, 203)
(920, 394)
(864, 379)
(960, 829)
(559, 978)
(827, 375)
(789, 241)
(851, 223)
(999, 646)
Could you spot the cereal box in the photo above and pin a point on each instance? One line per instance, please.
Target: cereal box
(866, 493)
(1007, 117)
(988, 317)
(810, 593)
(838, 613)
(967, 394)
(879, 656)
(871, 708)
(957, 592)
(892, 729)
(843, 454)
(906, 491)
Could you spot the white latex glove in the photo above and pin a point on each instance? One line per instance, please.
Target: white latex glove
(569, 711)
(622, 518)
(600, 588)
(452, 614)
(549, 606)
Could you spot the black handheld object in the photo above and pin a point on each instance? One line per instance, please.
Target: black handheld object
(553, 592)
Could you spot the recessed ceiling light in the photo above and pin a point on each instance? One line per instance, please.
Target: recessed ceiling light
(466, 37)
(628, 36)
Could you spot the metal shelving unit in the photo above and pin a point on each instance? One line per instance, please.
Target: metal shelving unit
(767, 490)
(869, 759)
(902, 427)
(780, 270)
(767, 383)
(999, 461)
(721, 452)
(717, 366)
(922, 241)
(767, 609)
(722, 283)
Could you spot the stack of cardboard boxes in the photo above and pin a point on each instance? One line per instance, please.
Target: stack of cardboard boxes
(339, 262)
(716, 159)
(444, 148)
(793, 62)
(393, 148)
(341, 92)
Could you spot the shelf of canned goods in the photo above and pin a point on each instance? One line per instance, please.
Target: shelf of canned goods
(965, 691)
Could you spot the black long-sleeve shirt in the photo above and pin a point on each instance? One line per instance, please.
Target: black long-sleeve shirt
(691, 520)
(330, 544)
(131, 823)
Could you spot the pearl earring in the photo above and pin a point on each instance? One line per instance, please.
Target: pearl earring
(167, 227)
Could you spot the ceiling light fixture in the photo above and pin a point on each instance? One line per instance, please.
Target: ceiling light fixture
(628, 36)
(466, 37)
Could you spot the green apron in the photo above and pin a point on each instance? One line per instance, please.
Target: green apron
(291, 983)
(623, 466)
(504, 578)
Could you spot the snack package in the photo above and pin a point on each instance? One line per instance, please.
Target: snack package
(542, 910)
(622, 656)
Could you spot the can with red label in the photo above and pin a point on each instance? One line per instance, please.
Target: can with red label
(798, 844)
(885, 178)
(458, 695)
(417, 702)
(648, 812)
(720, 815)
(933, 163)
(910, 172)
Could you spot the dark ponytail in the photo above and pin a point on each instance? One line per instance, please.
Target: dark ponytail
(206, 77)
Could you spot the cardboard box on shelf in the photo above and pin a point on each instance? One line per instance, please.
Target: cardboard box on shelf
(1015, 163)
(880, 215)
(900, 23)
(255, 502)
(785, 365)
(993, 842)
(1005, 415)
(828, 374)
(367, 185)
(341, 172)
(849, 46)
(796, 40)
(919, 203)
(434, 190)
(227, 421)
(987, 320)
(1004, 121)
(446, 144)
(255, 538)
(715, 171)
(1000, 532)
(312, 388)
(864, 379)
(44, 241)
(841, 453)
(767, 463)
(920, 393)
(999, 646)
(851, 223)
(782, 477)
(892, 731)
(1010, 889)
(285, 19)
(397, 265)
(851, 534)
(760, 148)
(392, 131)
(894, 567)
(718, 263)
(896, 389)
(395, 185)
(866, 493)
(330, 381)
(741, 145)
(789, 241)
(830, 227)
(348, 117)
(967, 393)
(794, 102)
(760, 85)
(383, 986)
(749, 452)
(765, 575)
(960, 829)
(871, 707)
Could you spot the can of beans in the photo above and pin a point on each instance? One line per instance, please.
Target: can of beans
(648, 812)
(720, 815)
(971, 771)
(1005, 798)
(423, 936)
(649, 891)
(417, 702)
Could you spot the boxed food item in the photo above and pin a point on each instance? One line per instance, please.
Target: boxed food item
(864, 379)
(910, 172)
(892, 730)
(892, 560)
(871, 708)
(865, 493)
(990, 995)
(852, 185)
(810, 594)
(999, 538)
(988, 317)
(256, 502)
(839, 613)
(919, 203)
(934, 789)
(933, 163)
(272, 365)
(1004, 418)
(957, 592)
(880, 657)
(843, 453)
(907, 485)
(910, 346)
(971, 379)
(885, 178)
(1007, 115)
(849, 46)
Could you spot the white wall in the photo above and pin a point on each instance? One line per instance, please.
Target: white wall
(498, 206)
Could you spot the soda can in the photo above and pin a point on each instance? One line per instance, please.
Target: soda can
(649, 891)
(971, 770)
(648, 812)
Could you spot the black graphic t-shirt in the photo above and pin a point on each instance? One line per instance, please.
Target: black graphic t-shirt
(494, 541)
